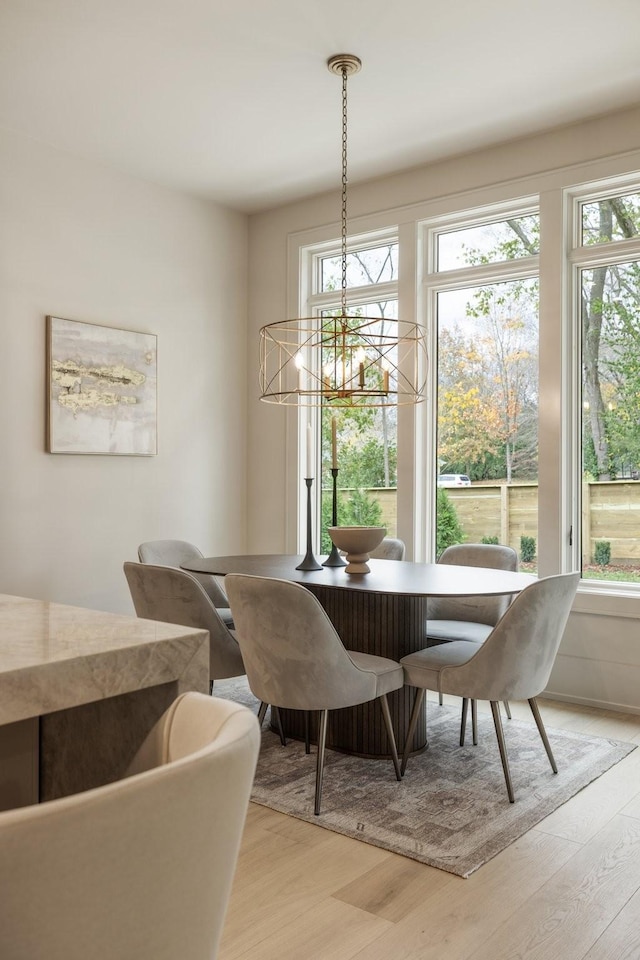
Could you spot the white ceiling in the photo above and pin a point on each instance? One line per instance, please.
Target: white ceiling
(231, 99)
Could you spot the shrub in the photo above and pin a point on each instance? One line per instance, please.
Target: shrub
(602, 554)
(490, 540)
(527, 549)
(357, 508)
(448, 529)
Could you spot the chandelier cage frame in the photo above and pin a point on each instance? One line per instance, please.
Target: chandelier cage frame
(344, 360)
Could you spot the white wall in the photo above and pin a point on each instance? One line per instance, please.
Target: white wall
(81, 241)
(590, 667)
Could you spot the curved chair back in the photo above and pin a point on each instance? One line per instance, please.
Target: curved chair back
(138, 868)
(173, 553)
(391, 548)
(474, 609)
(175, 596)
(516, 659)
(293, 656)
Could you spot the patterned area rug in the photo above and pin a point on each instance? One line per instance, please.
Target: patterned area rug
(451, 810)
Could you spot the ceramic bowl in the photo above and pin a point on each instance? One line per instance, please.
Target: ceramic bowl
(357, 543)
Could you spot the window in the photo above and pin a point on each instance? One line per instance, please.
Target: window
(366, 438)
(485, 305)
(607, 265)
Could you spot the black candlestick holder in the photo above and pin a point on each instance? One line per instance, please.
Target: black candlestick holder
(309, 562)
(334, 559)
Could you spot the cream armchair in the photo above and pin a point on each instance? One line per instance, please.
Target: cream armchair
(141, 868)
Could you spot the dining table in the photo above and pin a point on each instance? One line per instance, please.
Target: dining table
(382, 612)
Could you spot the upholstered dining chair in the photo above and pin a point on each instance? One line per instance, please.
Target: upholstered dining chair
(513, 663)
(295, 658)
(173, 553)
(175, 596)
(470, 618)
(391, 548)
(141, 867)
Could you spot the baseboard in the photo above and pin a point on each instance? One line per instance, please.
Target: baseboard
(586, 702)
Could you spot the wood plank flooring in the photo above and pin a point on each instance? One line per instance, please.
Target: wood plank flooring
(569, 889)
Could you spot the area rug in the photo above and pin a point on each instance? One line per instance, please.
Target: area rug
(451, 810)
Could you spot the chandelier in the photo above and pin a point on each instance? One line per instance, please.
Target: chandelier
(342, 358)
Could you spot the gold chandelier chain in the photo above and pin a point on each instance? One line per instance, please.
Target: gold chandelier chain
(343, 300)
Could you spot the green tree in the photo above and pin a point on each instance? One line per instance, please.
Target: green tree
(448, 529)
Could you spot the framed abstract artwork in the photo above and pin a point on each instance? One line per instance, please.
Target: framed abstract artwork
(101, 389)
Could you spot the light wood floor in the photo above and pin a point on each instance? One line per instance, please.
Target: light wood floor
(567, 890)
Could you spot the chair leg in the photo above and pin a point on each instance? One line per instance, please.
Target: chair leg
(415, 714)
(474, 721)
(535, 710)
(440, 699)
(211, 688)
(262, 709)
(497, 720)
(307, 731)
(463, 722)
(322, 736)
(507, 709)
(384, 703)
(278, 719)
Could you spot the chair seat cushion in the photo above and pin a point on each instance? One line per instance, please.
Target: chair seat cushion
(423, 668)
(457, 630)
(389, 674)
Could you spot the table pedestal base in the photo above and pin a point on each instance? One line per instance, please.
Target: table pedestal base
(386, 626)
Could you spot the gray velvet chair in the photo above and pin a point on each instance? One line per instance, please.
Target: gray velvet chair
(141, 867)
(295, 659)
(513, 663)
(173, 553)
(175, 596)
(470, 618)
(391, 548)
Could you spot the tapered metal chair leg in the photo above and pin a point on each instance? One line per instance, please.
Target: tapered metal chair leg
(384, 703)
(211, 688)
(440, 699)
(262, 709)
(463, 722)
(278, 719)
(543, 733)
(307, 731)
(497, 720)
(322, 736)
(415, 715)
(474, 722)
(507, 709)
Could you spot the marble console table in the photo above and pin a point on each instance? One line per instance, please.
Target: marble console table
(79, 691)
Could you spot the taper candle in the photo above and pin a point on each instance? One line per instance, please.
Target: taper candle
(309, 472)
(334, 443)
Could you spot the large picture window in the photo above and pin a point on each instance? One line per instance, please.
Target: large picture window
(485, 309)
(366, 438)
(607, 262)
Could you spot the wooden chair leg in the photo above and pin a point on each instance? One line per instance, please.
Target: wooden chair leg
(415, 715)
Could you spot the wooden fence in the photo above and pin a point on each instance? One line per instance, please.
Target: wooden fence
(610, 511)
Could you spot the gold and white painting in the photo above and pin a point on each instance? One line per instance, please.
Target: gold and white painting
(102, 389)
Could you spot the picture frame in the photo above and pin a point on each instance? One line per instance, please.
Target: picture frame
(101, 389)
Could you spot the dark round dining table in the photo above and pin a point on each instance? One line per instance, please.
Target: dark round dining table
(382, 612)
